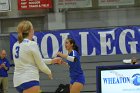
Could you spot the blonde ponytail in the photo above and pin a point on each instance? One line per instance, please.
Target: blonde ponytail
(23, 30)
(20, 37)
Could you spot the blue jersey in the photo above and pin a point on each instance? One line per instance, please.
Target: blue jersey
(3, 72)
(75, 67)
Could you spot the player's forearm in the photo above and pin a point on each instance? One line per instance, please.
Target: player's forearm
(45, 69)
(41, 64)
(47, 61)
(70, 58)
(39, 61)
(62, 55)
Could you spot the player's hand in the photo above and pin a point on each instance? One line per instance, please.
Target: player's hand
(57, 60)
(50, 76)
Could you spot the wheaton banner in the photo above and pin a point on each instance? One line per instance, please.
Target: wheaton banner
(121, 40)
(34, 4)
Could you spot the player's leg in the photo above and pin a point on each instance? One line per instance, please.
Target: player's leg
(29, 87)
(76, 87)
(34, 89)
(77, 84)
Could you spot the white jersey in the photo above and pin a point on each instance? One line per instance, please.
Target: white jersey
(28, 61)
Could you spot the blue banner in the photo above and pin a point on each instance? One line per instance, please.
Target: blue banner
(121, 40)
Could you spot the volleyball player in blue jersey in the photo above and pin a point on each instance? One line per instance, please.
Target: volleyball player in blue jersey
(73, 60)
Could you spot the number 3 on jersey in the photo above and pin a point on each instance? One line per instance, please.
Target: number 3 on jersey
(17, 52)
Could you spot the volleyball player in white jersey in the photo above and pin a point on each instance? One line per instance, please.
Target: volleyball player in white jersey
(28, 60)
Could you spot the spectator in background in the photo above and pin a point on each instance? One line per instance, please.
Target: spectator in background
(4, 67)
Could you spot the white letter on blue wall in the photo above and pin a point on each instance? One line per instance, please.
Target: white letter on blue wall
(84, 43)
(122, 41)
(106, 43)
(55, 45)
